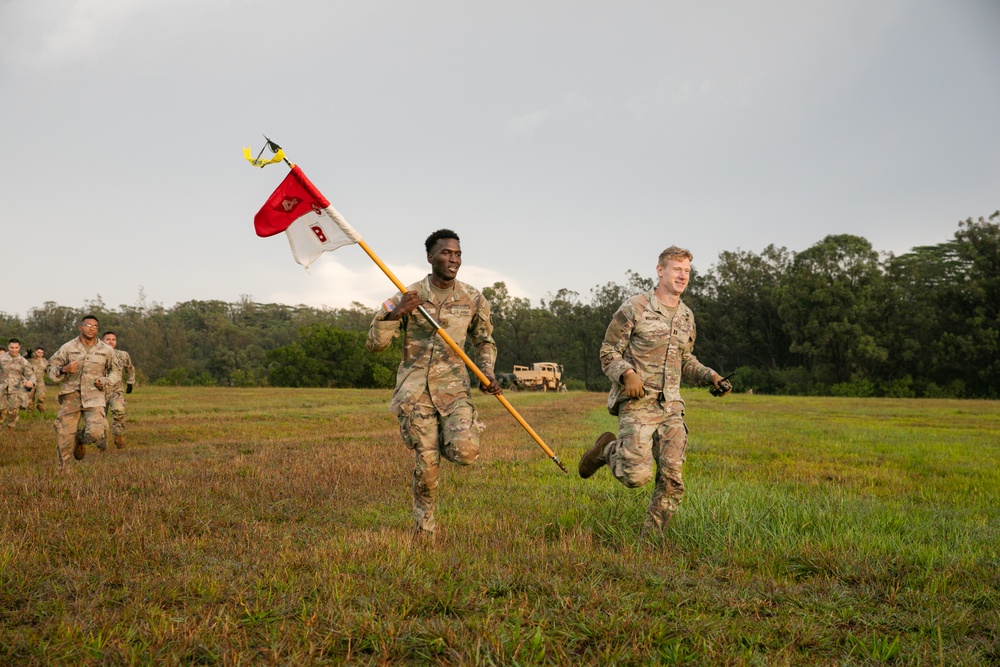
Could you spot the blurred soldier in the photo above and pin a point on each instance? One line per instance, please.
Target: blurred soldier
(36, 397)
(431, 400)
(114, 392)
(19, 378)
(647, 349)
(84, 366)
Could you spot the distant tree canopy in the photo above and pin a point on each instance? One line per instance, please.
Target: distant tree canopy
(836, 318)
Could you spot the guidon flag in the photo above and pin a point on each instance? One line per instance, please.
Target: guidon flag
(299, 209)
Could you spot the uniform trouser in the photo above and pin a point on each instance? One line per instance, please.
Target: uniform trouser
(116, 407)
(36, 397)
(431, 435)
(95, 426)
(10, 406)
(651, 434)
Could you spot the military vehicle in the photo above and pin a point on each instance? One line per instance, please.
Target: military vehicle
(541, 376)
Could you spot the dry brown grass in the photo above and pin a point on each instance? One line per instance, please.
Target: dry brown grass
(245, 527)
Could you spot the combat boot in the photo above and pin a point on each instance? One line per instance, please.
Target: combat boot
(120, 441)
(654, 527)
(79, 449)
(592, 461)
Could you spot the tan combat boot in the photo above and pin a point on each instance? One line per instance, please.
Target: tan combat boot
(120, 441)
(592, 461)
(79, 450)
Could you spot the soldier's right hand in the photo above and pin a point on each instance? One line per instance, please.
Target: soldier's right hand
(409, 303)
(71, 367)
(633, 385)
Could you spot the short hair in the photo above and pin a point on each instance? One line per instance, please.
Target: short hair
(13, 340)
(109, 332)
(38, 348)
(437, 236)
(674, 253)
(90, 317)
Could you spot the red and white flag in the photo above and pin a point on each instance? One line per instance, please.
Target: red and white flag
(300, 210)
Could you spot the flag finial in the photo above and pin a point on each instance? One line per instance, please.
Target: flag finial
(259, 161)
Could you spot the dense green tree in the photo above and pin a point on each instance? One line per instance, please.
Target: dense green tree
(739, 322)
(830, 306)
(913, 317)
(325, 356)
(514, 328)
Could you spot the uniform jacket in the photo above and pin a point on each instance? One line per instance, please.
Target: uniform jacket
(126, 372)
(96, 362)
(428, 361)
(645, 337)
(16, 371)
(39, 366)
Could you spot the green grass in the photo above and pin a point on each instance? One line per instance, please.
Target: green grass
(248, 527)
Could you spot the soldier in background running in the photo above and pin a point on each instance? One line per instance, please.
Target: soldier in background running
(83, 367)
(19, 378)
(36, 397)
(115, 392)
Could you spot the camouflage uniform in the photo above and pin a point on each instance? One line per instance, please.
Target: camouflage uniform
(657, 343)
(115, 392)
(79, 395)
(431, 400)
(16, 371)
(36, 397)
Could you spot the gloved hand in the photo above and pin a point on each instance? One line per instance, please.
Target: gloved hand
(128, 388)
(722, 386)
(633, 385)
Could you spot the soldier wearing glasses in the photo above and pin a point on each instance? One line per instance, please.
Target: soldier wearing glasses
(84, 367)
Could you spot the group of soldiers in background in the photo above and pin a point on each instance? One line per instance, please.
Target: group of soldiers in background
(93, 378)
(20, 383)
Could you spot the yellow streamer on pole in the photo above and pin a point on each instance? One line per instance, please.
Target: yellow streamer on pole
(258, 161)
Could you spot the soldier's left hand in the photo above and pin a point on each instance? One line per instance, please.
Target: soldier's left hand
(99, 383)
(723, 385)
(494, 387)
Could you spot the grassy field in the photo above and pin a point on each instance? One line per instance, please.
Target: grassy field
(249, 527)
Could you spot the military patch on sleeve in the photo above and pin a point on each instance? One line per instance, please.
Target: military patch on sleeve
(388, 306)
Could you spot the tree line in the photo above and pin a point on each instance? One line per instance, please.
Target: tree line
(838, 318)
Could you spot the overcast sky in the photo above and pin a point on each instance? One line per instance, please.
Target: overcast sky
(566, 142)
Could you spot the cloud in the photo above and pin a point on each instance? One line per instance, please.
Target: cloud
(526, 124)
(331, 284)
(573, 106)
(55, 32)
